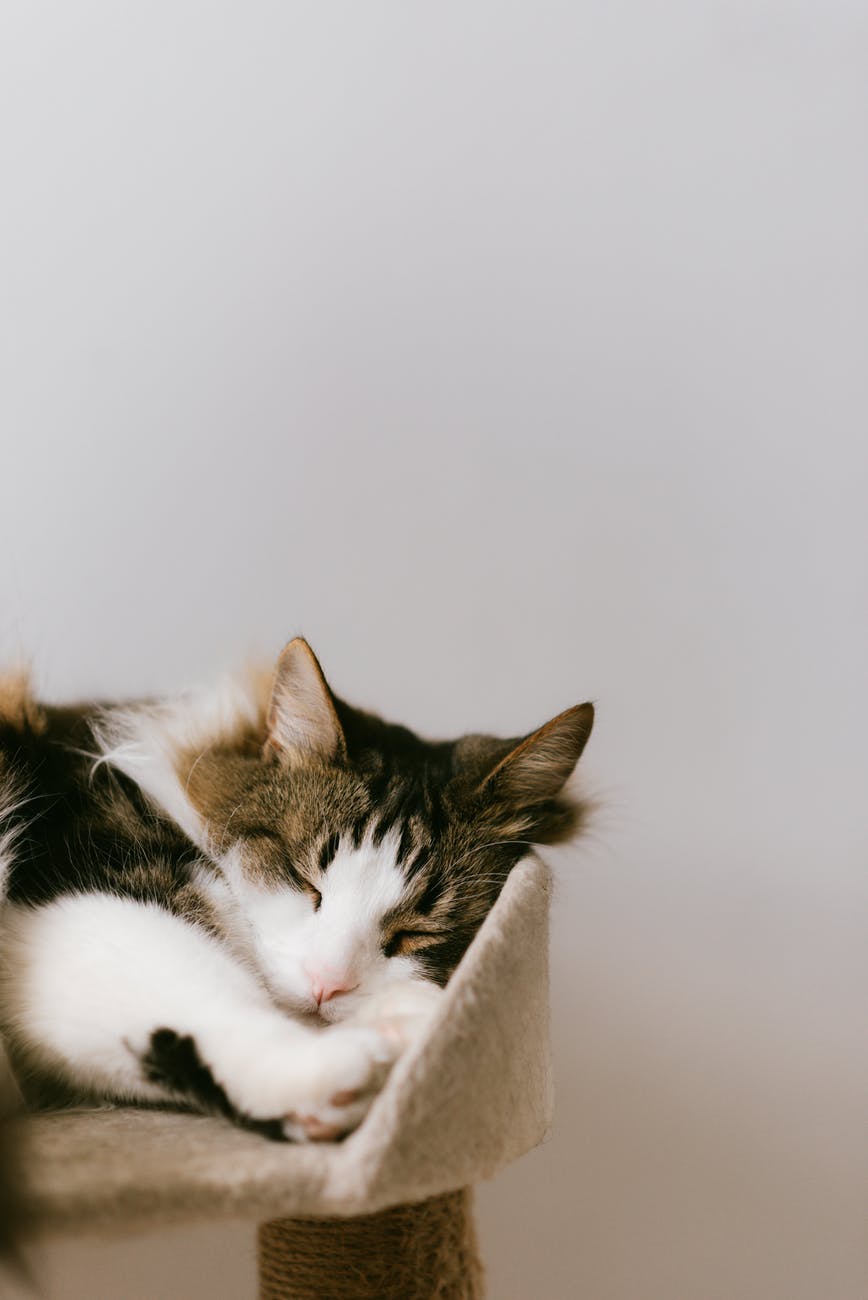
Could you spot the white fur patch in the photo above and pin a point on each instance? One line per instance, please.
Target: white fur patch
(145, 741)
(87, 979)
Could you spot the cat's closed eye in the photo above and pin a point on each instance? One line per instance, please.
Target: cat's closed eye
(404, 942)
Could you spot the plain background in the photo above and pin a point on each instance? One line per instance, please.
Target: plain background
(515, 354)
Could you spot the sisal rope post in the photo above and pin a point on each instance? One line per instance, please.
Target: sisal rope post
(426, 1251)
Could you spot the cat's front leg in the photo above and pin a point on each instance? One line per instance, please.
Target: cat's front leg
(123, 1000)
(276, 1076)
(402, 1010)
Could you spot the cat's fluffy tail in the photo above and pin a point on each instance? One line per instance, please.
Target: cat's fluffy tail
(10, 1101)
(10, 1097)
(11, 826)
(13, 693)
(19, 713)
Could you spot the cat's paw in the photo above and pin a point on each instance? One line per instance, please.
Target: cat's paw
(315, 1085)
(354, 1065)
(404, 1011)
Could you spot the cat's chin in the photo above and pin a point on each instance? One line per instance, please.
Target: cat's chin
(334, 1013)
(302, 1009)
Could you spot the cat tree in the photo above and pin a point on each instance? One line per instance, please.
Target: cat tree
(385, 1215)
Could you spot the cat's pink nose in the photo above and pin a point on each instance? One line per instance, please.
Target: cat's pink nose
(326, 987)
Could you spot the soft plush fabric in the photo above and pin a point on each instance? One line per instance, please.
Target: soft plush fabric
(475, 1094)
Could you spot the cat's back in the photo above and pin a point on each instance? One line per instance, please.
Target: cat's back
(66, 822)
(44, 749)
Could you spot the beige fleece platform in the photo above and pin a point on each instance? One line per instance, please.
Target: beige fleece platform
(472, 1096)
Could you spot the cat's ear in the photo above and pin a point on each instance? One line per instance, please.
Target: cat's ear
(535, 769)
(302, 719)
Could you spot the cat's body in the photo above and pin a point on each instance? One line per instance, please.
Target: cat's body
(247, 900)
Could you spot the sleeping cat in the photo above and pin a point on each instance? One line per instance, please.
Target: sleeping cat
(247, 900)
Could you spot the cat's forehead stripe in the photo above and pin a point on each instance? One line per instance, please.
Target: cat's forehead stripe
(328, 850)
(432, 894)
(418, 863)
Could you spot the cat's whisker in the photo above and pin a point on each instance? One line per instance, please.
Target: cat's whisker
(196, 761)
(478, 848)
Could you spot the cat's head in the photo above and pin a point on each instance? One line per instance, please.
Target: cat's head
(349, 853)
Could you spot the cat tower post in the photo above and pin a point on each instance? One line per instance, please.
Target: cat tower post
(385, 1215)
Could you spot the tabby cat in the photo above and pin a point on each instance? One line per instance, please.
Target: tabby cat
(247, 900)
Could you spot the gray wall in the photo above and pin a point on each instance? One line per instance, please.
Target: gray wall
(514, 353)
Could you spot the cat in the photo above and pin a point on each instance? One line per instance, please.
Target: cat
(247, 900)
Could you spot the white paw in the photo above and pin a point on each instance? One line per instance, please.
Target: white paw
(319, 1084)
(354, 1066)
(404, 1012)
